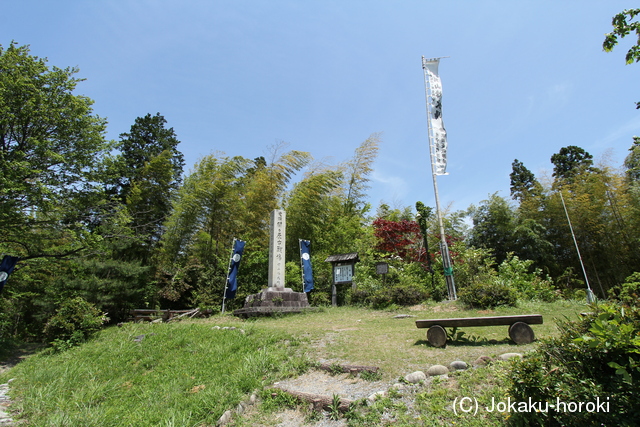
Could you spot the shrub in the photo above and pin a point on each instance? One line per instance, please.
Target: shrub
(319, 299)
(401, 295)
(629, 292)
(75, 320)
(487, 295)
(528, 285)
(594, 358)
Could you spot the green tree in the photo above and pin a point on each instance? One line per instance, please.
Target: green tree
(357, 171)
(309, 209)
(147, 138)
(571, 161)
(493, 223)
(49, 142)
(523, 182)
(623, 24)
(632, 161)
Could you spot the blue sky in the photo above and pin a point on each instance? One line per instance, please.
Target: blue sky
(523, 79)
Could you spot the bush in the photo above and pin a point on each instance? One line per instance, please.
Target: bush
(75, 320)
(487, 295)
(400, 295)
(528, 285)
(319, 299)
(629, 292)
(595, 358)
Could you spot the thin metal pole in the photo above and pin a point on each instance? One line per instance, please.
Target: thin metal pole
(444, 248)
(301, 263)
(226, 283)
(590, 297)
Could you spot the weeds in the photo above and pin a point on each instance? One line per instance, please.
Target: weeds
(371, 375)
(334, 408)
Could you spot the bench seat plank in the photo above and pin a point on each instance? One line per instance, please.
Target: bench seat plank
(532, 319)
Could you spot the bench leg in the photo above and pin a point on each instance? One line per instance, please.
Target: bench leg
(437, 336)
(521, 333)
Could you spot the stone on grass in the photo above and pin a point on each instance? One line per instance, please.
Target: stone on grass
(437, 370)
(482, 361)
(458, 365)
(377, 395)
(507, 356)
(225, 418)
(415, 377)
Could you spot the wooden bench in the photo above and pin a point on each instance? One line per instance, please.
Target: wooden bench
(519, 330)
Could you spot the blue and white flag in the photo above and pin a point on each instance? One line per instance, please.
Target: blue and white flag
(234, 265)
(438, 133)
(6, 268)
(305, 260)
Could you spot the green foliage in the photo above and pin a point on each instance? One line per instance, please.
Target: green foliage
(628, 293)
(570, 161)
(493, 224)
(527, 285)
(523, 182)
(401, 295)
(293, 275)
(623, 25)
(334, 407)
(595, 358)
(319, 299)
(74, 322)
(182, 373)
(488, 295)
(49, 143)
(357, 171)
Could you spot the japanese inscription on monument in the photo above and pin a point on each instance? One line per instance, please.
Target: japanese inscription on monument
(276, 249)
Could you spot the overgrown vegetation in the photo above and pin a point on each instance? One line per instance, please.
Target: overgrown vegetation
(150, 375)
(594, 361)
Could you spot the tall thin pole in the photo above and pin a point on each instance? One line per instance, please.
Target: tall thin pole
(444, 248)
(590, 297)
(226, 283)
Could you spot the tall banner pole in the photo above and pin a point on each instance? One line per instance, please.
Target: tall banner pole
(590, 296)
(437, 154)
(226, 282)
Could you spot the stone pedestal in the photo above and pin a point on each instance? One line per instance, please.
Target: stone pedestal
(273, 300)
(276, 298)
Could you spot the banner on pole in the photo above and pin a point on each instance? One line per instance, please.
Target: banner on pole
(307, 271)
(6, 268)
(234, 265)
(439, 134)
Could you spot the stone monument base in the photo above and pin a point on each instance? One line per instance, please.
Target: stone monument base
(273, 300)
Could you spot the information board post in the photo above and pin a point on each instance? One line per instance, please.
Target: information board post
(343, 272)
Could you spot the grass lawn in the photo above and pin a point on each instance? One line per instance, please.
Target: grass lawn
(370, 337)
(189, 373)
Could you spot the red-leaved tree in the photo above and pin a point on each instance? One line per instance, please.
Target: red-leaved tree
(400, 238)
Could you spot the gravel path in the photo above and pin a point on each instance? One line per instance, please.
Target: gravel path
(319, 382)
(5, 418)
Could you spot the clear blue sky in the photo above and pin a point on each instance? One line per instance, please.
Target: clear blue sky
(524, 79)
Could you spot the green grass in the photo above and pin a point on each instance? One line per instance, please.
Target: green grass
(361, 336)
(188, 374)
(182, 374)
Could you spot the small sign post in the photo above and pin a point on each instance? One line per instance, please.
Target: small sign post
(343, 272)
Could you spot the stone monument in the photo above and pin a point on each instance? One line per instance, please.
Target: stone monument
(275, 298)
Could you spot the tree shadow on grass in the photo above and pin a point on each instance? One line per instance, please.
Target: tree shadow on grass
(14, 353)
(469, 342)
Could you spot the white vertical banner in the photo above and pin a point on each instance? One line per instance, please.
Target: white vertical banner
(438, 138)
